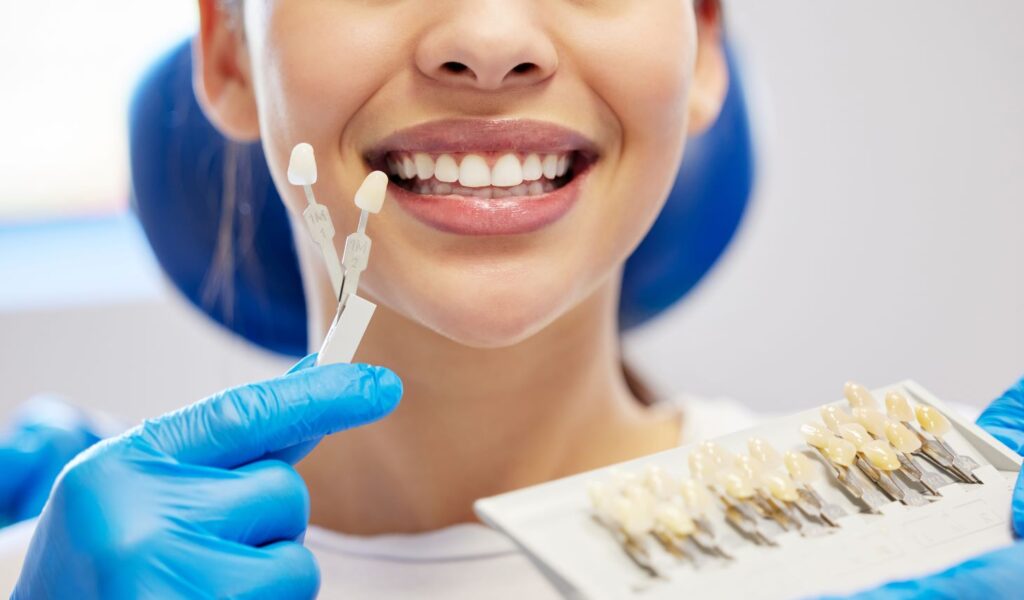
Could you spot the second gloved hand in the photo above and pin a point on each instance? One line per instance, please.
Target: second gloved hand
(199, 502)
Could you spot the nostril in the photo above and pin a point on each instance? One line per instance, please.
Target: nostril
(524, 67)
(454, 67)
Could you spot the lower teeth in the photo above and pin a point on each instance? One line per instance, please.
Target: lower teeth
(434, 187)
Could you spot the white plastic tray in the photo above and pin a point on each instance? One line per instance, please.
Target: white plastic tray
(552, 523)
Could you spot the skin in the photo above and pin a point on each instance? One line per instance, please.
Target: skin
(508, 346)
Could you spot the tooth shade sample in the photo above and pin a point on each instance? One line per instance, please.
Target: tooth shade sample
(858, 396)
(702, 466)
(855, 434)
(446, 169)
(659, 482)
(933, 421)
(695, 496)
(717, 453)
(881, 455)
(902, 438)
(816, 435)
(599, 495)
(898, 408)
(840, 451)
(764, 452)
(302, 165)
(636, 519)
(675, 519)
(781, 487)
(424, 165)
(750, 466)
(370, 195)
(872, 419)
(736, 483)
(800, 468)
(835, 416)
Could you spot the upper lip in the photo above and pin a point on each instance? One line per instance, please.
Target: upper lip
(483, 135)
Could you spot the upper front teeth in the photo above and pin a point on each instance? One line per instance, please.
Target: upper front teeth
(473, 171)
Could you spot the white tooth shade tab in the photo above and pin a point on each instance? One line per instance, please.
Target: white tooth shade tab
(474, 172)
(370, 195)
(302, 165)
(507, 172)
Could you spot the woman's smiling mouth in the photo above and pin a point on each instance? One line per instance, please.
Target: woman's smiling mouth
(484, 177)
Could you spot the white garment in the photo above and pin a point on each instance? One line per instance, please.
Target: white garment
(461, 561)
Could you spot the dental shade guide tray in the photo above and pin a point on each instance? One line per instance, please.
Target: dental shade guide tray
(354, 312)
(769, 527)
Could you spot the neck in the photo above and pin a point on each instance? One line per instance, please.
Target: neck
(476, 422)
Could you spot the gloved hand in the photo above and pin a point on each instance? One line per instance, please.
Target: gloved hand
(45, 435)
(1000, 573)
(200, 502)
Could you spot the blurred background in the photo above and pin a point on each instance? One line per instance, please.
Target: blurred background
(884, 242)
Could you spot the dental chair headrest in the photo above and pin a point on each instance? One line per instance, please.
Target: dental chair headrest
(236, 261)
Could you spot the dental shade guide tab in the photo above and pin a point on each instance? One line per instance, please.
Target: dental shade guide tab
(354, 313)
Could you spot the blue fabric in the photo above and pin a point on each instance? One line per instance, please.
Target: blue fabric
(178, 176)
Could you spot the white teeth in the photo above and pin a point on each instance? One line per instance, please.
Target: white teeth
(446, 169)
(424, 165)
(519, 190)
(550, 166)
(474, 172)
(563, 165)
(535, 188)
(507, 172)
(532, 169)
(408, 168)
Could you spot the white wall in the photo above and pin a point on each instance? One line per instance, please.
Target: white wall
(885, 241)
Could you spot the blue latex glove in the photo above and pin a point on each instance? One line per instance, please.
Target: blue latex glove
(45, 435)
(1000, 573)
(198, 503)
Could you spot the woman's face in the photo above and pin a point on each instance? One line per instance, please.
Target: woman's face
(602, 86)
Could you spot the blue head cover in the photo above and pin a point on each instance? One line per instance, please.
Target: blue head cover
(219, 229)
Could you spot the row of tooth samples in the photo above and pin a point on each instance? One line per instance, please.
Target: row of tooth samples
(472, 171)
(877, 456)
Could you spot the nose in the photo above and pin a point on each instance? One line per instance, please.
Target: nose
(487, 45)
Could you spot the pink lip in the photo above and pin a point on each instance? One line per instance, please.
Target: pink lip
(496, 216)
(483, 135)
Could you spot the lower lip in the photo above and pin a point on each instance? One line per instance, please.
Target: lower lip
(466, 215)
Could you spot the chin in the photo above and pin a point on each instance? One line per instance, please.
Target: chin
(495, 321)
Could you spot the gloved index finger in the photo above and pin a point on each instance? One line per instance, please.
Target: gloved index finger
(244, 424)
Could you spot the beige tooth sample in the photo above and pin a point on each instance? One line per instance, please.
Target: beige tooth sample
(871, 419)
(902, 438)
(897, 407)
(659, 482)
(695, 496)
(835, 416)
(933, 421)
(764, 452)
(799, 467)
(550, 166)
(507, 172)
(750, 466)
(446, 169)
(717, 453)
(855, 434)
(840, 451)
(424, 165)
(474, 172)
(532, 168)
(780, 486)
(816, 435)
(736, 483)
(859, 396)
(881, 455)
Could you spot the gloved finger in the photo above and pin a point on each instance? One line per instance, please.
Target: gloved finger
(17, 463)
(306, 362)
(1017, 506)
(1004, 418)
(244, 424)
(256, 504)
(201, 567)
